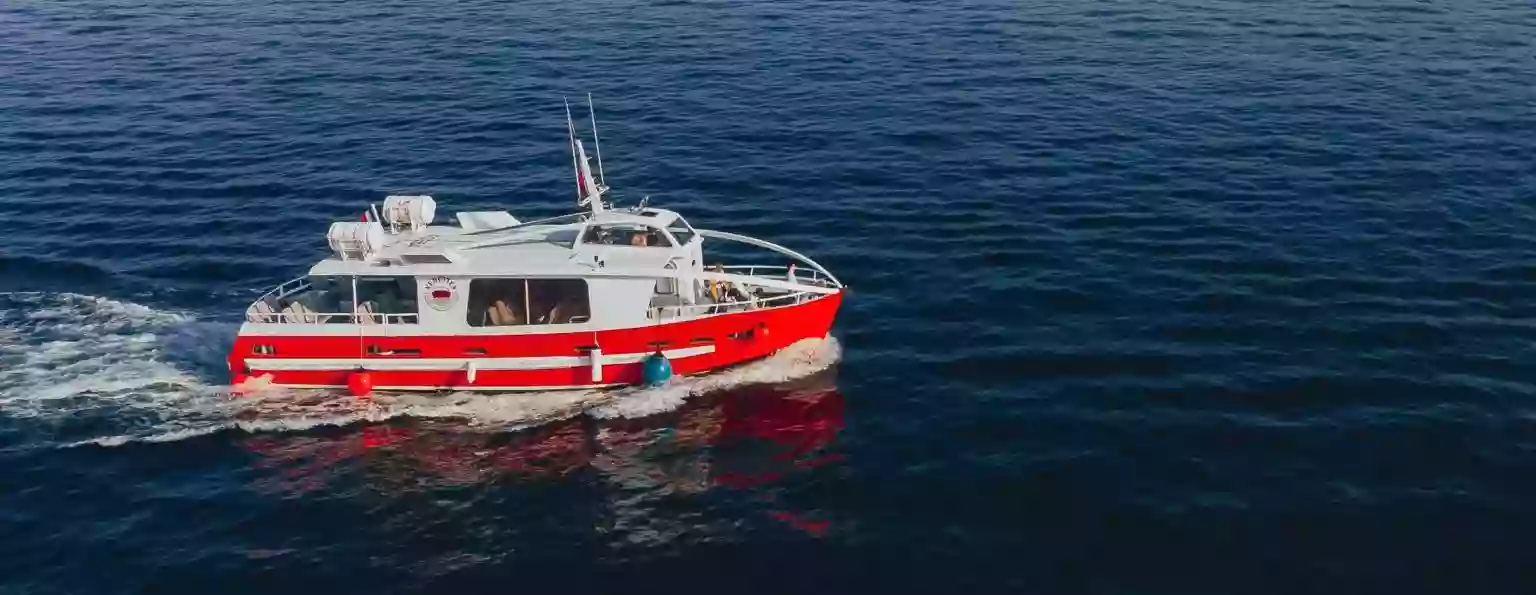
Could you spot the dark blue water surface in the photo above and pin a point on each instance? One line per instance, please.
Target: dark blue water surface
(1192, 296)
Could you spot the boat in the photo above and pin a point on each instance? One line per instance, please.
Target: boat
(601, 297)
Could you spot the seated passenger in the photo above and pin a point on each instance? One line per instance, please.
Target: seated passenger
(503, 315)
(366, 314)
(717, 291)
(738, 293)
(387, 302)
(639, 239)
(565, 310)
(486, 317)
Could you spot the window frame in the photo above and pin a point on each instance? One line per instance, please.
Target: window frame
(661, 232)
(692, 233)
(527, 295)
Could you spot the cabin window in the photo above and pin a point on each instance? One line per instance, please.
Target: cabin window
(328, 300)
(394, 297)
(680, 230)
(625, 234)
(517, 302)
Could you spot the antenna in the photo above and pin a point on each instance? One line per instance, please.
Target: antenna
(570, 130)
(596, 144)
(588, 190)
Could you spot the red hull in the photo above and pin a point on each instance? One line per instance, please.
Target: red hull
(707, 344)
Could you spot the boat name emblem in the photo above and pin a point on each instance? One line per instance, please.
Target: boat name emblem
(441, 293)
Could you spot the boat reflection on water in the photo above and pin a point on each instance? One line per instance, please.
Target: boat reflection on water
(736, 439)
(742, 438)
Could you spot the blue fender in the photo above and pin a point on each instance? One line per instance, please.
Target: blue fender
(656, 369)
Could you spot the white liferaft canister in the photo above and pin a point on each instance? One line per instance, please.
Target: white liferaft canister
(409, 211)
(355, 239)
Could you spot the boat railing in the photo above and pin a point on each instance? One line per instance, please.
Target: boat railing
(811, 265)
(803, 276)
(270, 309)
(664, 312)
(287, 288)
(313, 317)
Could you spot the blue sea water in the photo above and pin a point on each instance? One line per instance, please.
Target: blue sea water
(1191, 296)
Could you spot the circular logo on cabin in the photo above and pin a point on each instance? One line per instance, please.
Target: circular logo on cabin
(441, 293)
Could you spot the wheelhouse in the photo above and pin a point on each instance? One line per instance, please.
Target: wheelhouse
(649, 228)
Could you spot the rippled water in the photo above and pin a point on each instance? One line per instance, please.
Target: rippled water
(1179, 297)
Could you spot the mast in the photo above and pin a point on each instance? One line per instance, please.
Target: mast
(588, 191)
(570, 130)
(596, 144)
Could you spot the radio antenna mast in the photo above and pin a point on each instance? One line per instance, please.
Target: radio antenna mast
(570, 130)
(602, 178)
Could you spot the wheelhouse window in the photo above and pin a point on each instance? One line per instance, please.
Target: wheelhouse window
(681, 230)
(625, 234)
(518, 302)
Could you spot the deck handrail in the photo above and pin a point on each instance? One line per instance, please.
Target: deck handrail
(656, 312)
(751, 241)
(300, 284)
(310, 317)
(283, 290)
(813, 276)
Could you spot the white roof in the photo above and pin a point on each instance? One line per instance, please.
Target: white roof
(651, 217)
(530, 249)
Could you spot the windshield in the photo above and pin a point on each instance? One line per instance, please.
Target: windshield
(624, 234)
(680, 230)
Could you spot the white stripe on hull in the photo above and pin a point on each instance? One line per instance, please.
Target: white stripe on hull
(508, 388)
(445, 364)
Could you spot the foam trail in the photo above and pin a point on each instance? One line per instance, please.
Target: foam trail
(279, 410)
(799, 360)
(73, 363)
